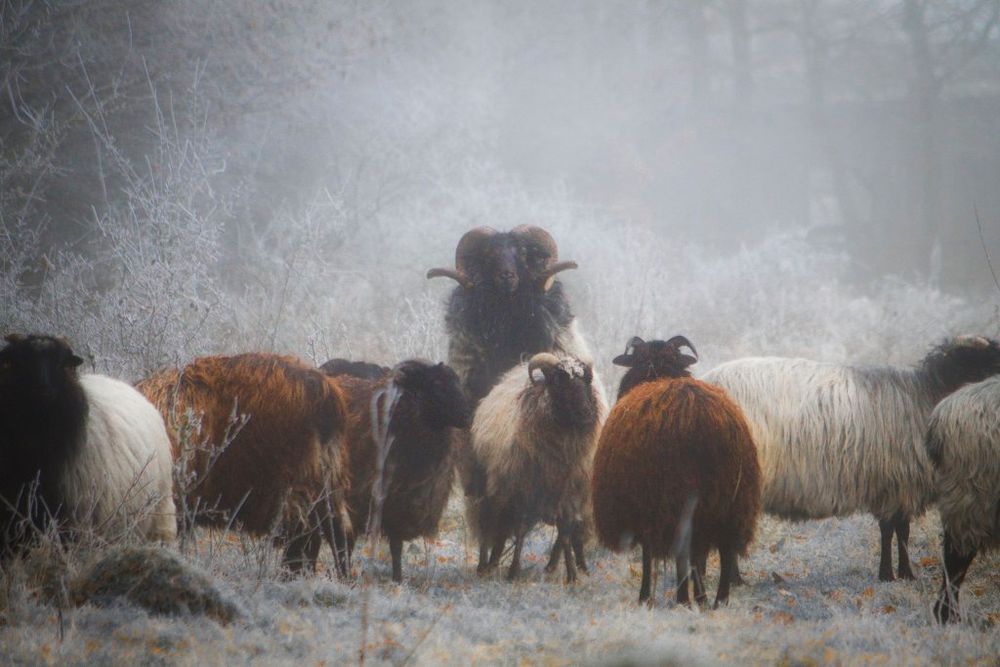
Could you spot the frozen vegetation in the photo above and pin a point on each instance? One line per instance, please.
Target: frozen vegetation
(287, 192)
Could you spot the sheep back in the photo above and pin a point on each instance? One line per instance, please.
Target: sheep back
(122, 478)
(663, 443)
(288, 447)
(963, 439)
(834, 440)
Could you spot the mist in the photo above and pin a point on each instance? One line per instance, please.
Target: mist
(814, 178)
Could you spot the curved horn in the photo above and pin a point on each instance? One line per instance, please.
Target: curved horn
(677, 341)
(15, 338)
(469, 246)
(627, 359)
(460, 278)
(542, 361)
(550, 272)
(540, 238)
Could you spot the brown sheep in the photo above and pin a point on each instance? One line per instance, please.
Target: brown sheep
(260, 435)
(418, 470)
(676, 472)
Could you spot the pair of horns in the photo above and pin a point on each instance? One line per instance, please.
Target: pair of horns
(472, 243)
(635, 343)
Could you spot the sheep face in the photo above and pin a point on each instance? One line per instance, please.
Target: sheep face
(503, 263)
(963, 360)
(652, 360)
(37, 365)
(436, 391)
(568, 383)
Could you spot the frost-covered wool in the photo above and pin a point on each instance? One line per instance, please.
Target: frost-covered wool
(963, 441)
(676, 472)
(419, 468)
(282, 467)
(534, 439)
(507, 305)
(96, 449)
(834, 439)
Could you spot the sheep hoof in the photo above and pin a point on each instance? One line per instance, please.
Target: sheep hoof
(550, 568)
(486, 569)
(906, 573)
(886, 576)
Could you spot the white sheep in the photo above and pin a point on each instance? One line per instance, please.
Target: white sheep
(834, 440)
(963, 442)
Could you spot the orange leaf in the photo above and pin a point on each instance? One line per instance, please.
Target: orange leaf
(868, 592)
(928, 561)
(783, 617)
(888, 609)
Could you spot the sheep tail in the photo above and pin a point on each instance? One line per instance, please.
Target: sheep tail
(682, 533)
(382, 407)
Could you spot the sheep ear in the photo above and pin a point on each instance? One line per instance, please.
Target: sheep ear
(73, 361)
(687, 360)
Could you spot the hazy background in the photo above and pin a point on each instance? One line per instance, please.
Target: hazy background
(765, 176)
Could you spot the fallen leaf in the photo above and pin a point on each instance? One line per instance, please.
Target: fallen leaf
(888, 609)
(929, 561)
(783, 617)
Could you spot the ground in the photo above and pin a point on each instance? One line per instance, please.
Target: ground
(812, 597)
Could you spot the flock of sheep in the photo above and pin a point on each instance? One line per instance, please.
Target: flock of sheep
(679, 466)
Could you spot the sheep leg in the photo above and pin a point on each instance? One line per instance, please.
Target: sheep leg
(647, 568)
(735, 579)
(902, 527)
(956, 565)
(342, 547)
(499, 540)
(727, 557)
(576, 538)
(484, 556)
(700, 562)
(570, 562)
(396, 551)
(557, 550)
(515, 561)
(682, 565)
(885, 555)
(700, 557)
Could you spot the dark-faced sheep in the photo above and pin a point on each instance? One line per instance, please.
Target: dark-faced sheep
(260, 433)
(404, 488)
(834, 440)
(85, 451)
(675, 470)
(534, 436)
(963, 442)
(507, 305)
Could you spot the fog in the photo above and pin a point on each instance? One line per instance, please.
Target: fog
(818, 178)
(288, 171)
